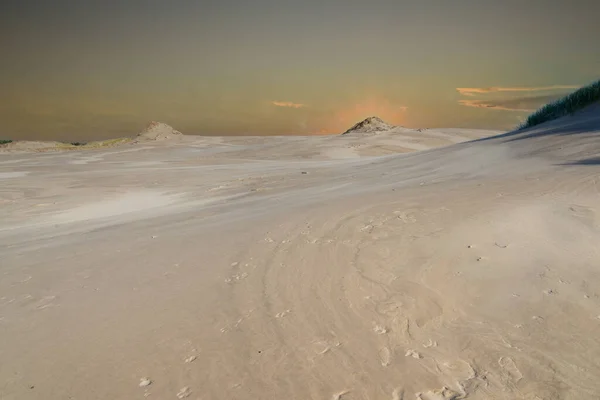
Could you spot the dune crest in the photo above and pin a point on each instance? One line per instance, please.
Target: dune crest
(156, 131)
(370, 125)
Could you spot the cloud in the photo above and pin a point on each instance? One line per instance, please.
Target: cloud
(495, 89)
(512, 98)
(523, 104)
(288, 104)
(490, 105)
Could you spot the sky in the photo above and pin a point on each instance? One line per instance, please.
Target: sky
(96, 69)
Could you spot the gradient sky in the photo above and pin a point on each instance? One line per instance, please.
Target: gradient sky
(94, 69)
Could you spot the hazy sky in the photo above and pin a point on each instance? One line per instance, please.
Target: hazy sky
(82, 69)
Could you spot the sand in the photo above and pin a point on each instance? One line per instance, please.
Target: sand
(393, 266)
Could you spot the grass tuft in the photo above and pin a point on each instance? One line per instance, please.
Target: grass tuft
(108, 143)
(93, 145)
(5, 141)
(568, 105)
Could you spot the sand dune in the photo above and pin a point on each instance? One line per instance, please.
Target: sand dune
(306, 268)
(157, 131)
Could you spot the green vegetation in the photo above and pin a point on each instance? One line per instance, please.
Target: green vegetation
(568, 105)
(93, 145)
(109, 142)
(50, 146)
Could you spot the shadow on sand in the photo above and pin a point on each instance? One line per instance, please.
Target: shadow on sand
(585, 161)
(587, 121)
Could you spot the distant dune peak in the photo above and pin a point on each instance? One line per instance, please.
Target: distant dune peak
(158, 131)
(156, 126)
(369, 125)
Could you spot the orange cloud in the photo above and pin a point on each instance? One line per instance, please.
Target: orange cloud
(495, 89)
(288, 104)
(489, 105)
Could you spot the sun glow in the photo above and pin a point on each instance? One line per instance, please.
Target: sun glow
(349, 115)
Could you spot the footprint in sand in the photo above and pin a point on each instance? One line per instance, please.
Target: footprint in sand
(380, 329)
(413, 354)
(145, 382)
(385, 356)
(510, 370)
(407, 218)
(190, 359)
(367, 228)
(339, 395)
(441, 394)
(324, 346)
(236, 278)
(282, 314)
(398, 394)
(458, 369)
(184, 393)
(45, 302)
(237, 323)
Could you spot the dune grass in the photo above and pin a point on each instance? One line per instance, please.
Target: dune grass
(93, 145)
(108, 142)
(60, 146)
(569, 104)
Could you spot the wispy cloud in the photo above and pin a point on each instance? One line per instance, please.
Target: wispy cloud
(513, 98)
(288, 104)
(496, 89)
(524, 104)
(490, 105)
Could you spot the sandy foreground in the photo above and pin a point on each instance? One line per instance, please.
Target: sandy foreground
(305, 268)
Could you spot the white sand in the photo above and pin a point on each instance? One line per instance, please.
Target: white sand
(13, 174)
(305, 268)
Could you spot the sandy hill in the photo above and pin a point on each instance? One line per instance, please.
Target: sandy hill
(370, 125)
(568, 139)
(156, 131)
(30, 145)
